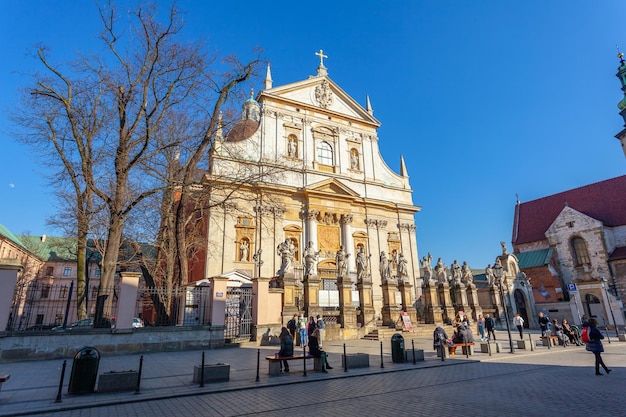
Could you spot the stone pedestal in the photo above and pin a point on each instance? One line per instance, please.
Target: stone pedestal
(472, 300)
(355, 360)
(347, 313)
(496, 347)
(407, 300)
(432, 309)
(311, 292)
(391, 310)
(494, 295)
(523, 344)
(443, 290)
(118, 381)
(461, 299)
(366, 312)
(289, 297)
(212, 373)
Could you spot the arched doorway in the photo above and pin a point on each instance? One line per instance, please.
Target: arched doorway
(593, 307)
(520, 305)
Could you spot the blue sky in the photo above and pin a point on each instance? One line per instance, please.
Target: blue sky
(485, 100)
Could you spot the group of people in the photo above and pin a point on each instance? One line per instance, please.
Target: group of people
(310, 333)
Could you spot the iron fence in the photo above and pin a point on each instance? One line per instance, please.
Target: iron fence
(174, 306)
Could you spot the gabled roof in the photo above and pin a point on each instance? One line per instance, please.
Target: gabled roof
(604, 201)
(534, 258)
(618, 253)
(7, 233)
(302, 93)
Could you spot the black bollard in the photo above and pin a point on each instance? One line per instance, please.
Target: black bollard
(381, 355)
(489, 346)
(139, 374)
(413, 346)
(606, 328)
(345, 359)
(59, 395)
(532, 347)
(202, 372)
(304, 358)
(258, 360)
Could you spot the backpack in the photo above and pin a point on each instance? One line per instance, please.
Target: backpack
(321, 325)
(584, 336)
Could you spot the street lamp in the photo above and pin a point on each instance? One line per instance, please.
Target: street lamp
(497, 272)
(608, 300)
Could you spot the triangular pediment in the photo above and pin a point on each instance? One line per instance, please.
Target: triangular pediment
(331, 186)
(574, 220)
(319, 93)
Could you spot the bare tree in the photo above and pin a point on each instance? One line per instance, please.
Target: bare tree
(102, 114)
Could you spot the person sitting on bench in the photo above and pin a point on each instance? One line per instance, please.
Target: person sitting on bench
(463, 334)
(314, 349)
(286, 348)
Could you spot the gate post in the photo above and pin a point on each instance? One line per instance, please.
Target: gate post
(9, 269)
(218, 300)
(266, 309)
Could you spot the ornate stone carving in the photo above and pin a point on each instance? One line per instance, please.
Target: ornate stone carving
(370, 223)
(311, 214)
(346, 219)
(323, 95)
(381, 224)
(328, 218)
(407, 227)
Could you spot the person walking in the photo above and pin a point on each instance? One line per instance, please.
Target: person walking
(286, 348)
(490, 325)
(544, 322)
(518, 321)
(481, 327)
(314, 350)
(595, 344)
(292, 325)
(321, 325)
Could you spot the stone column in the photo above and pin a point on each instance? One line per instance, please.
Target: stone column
(432, 308)
(218, 300)
(9, 269)
(472, 296)
(129, 286)
(348, 242)
(346, 310)
(407, 300)
(311, 225)
(494, 295)
(391, 310)
(444, 294)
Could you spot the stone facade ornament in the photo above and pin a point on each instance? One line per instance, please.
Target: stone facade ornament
(362, 265)
(310, 259)
(491, 278)
(466, 274)
(455, 270)
(440, 272)
(323, 95)
(427, 269)
(286, 251)
(401, 267)
(341, 259)
(385, 269)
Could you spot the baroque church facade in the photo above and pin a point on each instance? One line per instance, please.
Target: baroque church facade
(325, 218)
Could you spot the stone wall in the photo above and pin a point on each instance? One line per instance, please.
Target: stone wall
(65, 345)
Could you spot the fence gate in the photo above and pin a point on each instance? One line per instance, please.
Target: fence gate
(238, 313)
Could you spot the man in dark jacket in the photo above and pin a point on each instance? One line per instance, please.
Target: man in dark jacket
(490, 326)
(292, 325)
(544, 321)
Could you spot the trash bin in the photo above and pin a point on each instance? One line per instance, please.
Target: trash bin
(84, 371)
(397, 348)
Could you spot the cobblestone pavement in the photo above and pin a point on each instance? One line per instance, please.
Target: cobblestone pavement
(556, 382)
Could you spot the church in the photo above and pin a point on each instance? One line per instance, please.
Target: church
(301, 196)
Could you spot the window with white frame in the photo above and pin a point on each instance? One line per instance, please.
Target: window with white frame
(325, 153)
(67, 271)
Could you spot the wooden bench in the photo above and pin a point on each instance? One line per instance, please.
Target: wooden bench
(468, 348)
(274, 362)
(3, 379)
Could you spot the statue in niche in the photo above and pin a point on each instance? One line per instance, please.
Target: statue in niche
(354, 160)
(286, 252)
(361, 264)
(311, 257)
(466, 274)
(341, 258)
(385, 270)
(455, 270)
(292, 148)
(243, 251)
(491, 278)
(440, 272)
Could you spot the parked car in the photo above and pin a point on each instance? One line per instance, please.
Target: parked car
(137, 322)
(43, 326)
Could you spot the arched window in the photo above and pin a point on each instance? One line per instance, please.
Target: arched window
(325, 153)
(579, 250)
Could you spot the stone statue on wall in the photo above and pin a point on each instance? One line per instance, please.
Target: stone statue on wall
(361, 264)
(440, 272)
(286, 251)
(504, 250)
(385, 270)
(341, 259)
(402, 268)
(243, 251)
(466, 274)
(491, 278)
(427, 269)
(455, 270)
(310, 258)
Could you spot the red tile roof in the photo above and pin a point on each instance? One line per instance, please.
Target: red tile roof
(604, 201)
